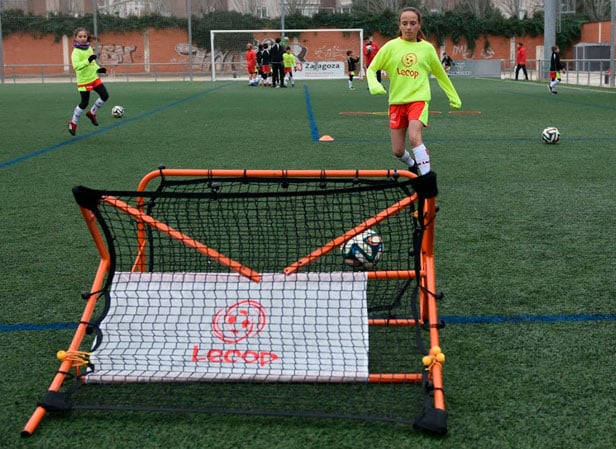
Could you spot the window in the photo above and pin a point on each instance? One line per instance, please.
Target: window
(262, 12)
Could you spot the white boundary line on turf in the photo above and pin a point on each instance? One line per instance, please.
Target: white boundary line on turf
(597, 89)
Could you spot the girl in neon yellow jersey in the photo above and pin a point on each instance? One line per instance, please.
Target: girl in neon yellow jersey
(87, 71)
(408, 61)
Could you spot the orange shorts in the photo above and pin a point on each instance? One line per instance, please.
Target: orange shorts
(288, 70)
(401, 114)
(90, 86)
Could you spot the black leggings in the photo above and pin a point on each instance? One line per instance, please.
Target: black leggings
(101, 90)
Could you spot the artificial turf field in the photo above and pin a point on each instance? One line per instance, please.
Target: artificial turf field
(524, 249)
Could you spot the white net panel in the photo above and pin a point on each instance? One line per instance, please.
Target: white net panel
(197, 326)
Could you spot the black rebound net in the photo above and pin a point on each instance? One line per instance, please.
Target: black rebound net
(260, 292)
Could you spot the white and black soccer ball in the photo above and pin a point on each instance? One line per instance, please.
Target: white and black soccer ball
(117, 111)
(364, 250)
(368, 48)
(550, 135)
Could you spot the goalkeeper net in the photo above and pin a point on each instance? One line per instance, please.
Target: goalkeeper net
(216, 281)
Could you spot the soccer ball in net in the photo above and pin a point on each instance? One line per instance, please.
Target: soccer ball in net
(363, 250)
(550, 135)
(117, 111)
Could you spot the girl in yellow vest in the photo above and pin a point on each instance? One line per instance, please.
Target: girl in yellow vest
(87, 71)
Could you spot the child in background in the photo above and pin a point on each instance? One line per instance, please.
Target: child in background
(370, 50)
(447, 62)
(288, 61)
(259, 64)
(266, 68)
(251, 65)
(86, 71)
(556, 68)
(351, 66)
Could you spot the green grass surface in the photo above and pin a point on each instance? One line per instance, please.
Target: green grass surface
(524, 249)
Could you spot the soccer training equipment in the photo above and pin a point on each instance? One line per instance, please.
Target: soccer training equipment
(117, 111)
(364, 250)
(220, 283)
(550, 135)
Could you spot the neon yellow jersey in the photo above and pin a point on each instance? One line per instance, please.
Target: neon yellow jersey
(84, 70)
(288, 60)
(408, 66)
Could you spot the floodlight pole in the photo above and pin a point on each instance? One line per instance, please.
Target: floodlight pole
(95, 26)
(612, 43)
(549, 34)
(190, 52)
(1, 46)
(282, 17)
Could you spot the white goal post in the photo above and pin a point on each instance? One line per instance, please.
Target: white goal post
(320, 53)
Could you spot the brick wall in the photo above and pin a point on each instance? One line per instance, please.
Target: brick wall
(167, 50)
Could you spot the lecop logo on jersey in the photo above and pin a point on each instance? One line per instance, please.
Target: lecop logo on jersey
(408, 60)
(234, 324)
(407, 72)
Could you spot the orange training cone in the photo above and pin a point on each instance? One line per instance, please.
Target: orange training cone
(326, 138)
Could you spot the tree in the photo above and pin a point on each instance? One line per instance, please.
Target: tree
(477, 8)
(596, 9)
(514, 8)
(378, 6)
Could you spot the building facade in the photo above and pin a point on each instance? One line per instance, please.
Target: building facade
(266, 9)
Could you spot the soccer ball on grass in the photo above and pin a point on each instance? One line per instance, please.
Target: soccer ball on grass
(363, 250)
(550, 135)
(117, 111)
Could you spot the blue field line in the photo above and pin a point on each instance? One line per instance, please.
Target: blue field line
(117, 124)
(498, 319)
(313, 124)
(453, 319)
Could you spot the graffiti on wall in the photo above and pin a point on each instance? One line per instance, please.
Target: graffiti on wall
(112, 54)
(203, 60)
(224, 60)
(234, 60)
(330, 53)
(463, 52)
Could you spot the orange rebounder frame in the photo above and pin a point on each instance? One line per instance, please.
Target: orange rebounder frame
(434, 416)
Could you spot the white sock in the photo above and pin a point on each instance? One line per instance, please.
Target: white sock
(97, 104)
(422, 158)
(76, 114)
(406, 159)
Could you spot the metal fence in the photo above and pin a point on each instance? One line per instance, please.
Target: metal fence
(577, 71)
(60, 73)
